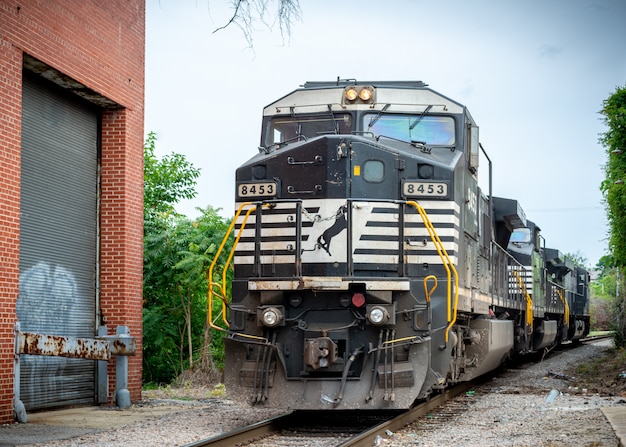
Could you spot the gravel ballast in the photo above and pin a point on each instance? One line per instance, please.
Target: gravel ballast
(517, 408)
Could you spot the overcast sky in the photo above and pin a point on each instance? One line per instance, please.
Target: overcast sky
(533, 74)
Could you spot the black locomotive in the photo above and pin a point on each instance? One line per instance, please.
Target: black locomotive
(370, 270)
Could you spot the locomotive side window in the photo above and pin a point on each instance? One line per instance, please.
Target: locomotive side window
(373, 171)
(432, 130)
(291, 128)
(520, 236)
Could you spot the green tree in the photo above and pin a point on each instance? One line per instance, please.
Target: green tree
(614, 185)
(604, 265)
(578, 259)
(177, 255)
(603, 295)
(614, 191)
(176, 261)
(166, 181)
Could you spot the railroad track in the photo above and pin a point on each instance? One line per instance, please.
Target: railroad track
(345, 429)
(386, 429)
(301, 428)
(593, 338)
(246, 434)
(295, 428)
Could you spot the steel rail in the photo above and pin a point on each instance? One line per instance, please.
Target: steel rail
(247, 434)
(367, 438)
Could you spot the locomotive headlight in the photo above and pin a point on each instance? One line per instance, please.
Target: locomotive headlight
(358, 95)
(377, 315)
(270, 316)
(365, 94)
(351, 94)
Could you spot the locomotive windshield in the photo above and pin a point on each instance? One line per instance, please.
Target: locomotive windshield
(291, 128)
(432, 130)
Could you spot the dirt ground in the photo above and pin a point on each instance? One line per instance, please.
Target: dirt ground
(191, 407)
(604, 375)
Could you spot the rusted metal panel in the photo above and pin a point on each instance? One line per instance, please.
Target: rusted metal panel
(99, 348)
(61, 346)
(121, 344)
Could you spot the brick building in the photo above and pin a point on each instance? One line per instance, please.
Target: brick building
(71, 189)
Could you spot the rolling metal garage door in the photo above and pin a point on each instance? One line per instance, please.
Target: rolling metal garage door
(58, 240)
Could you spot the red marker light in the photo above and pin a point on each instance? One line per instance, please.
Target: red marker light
(358, 300)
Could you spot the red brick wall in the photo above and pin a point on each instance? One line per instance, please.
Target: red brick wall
(101, 45)
(10, 136)
(122, 235)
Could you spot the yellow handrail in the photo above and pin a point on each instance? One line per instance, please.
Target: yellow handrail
(447, 263)
(429, 292)
(529, 300)
(566, 306)
(222, 287)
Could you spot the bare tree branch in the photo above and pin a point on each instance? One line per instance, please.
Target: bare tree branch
(233, 19)
(247, 12)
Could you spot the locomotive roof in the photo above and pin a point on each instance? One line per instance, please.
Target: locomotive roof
(347, 82)
(402, 96)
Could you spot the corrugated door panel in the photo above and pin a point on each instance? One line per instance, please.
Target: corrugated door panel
(58, 240)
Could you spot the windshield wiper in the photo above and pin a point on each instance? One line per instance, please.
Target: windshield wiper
(420, 117)
(297, 126)
(332, 117)
(377, 117)
(421, 145)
